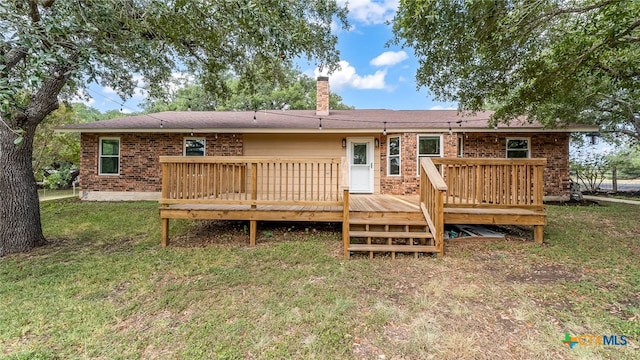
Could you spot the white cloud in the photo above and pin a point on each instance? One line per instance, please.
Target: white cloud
(440, 107)
(371, 12)
(108, 90)
(346, 76)
(389, 58)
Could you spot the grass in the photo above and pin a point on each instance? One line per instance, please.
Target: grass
(104, 288)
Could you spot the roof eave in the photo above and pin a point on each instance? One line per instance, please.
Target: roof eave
(578, 129)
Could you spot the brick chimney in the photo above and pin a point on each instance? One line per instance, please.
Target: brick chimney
(322, 96)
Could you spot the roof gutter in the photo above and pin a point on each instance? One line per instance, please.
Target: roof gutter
(581, 129)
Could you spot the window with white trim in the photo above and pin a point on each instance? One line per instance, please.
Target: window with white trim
(109, 161)
(194, 146)
(393, 156)
(460, 146)
(518, 148)
(429, 146)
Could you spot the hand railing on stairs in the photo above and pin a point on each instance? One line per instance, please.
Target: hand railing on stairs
(432, 189)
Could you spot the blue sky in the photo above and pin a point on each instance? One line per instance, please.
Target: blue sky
(372, 75)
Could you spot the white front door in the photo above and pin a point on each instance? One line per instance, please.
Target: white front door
(360, 153)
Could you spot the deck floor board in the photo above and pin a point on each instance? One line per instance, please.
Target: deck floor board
(357, 203)
(383, 203)
(362, 203)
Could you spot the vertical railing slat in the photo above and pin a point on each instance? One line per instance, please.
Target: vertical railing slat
(230, 179)
(254, 183)
(501, 182)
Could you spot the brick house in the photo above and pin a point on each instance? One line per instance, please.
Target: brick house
(119, 157)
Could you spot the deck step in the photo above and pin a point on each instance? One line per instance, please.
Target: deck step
(393, 248)
(382, 221)
(391, 234)
(386, 218)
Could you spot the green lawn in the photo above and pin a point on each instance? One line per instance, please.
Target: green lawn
(104, 289)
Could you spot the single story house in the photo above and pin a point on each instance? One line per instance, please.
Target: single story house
(120, 157)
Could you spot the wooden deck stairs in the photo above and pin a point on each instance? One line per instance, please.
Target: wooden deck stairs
(390, 233)
(386, 224)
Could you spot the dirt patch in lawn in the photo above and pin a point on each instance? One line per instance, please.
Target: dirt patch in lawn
(543, 274)
(572, 202)
(236, 233)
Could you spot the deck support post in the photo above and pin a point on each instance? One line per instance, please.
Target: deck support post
(165, 232)
(346, 238)
(253, 230)
(538, 233)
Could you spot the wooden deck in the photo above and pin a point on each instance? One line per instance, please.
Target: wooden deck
(381, 203)
(473, 191)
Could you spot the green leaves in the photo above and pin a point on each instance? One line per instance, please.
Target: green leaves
(20, 139)
(293, 91)
(553, 61)
(124, 44)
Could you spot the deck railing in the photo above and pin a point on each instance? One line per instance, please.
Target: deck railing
(252, 180)
(499, 183)
(432, 189)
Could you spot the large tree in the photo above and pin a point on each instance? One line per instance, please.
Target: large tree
(50, 49)
(296, 91)
(555, 61)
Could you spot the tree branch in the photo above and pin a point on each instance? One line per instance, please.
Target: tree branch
(544, 18)
(616, 72)
(624, 33)
(625, 111)
(630, 39)
(564, 11)
(45, 100)
(14, 56)
(34, 13)
(582, 10)
(610, 41)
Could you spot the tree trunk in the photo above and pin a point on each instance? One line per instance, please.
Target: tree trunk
(20, 227)
(614, 179)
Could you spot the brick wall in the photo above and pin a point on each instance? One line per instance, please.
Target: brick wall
(140, 169)
(553, 146)
(139, 158)
(408, 182)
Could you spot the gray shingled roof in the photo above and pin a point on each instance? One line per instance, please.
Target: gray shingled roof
(307, 121)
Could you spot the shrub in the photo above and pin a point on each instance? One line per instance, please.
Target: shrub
(62, 177)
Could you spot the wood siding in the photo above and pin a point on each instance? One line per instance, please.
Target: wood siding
(306, 145)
